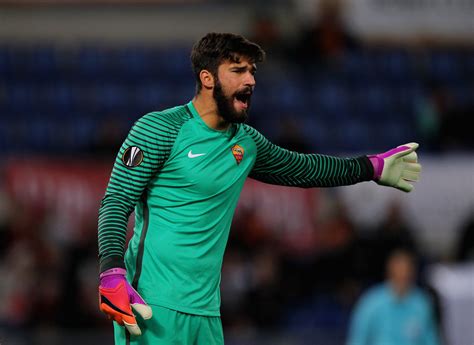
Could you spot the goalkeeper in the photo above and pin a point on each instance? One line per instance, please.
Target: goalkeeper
(182, 170)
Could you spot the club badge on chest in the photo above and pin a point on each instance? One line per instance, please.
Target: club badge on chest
(238, 152)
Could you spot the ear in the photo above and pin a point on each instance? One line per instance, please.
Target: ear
(207, 79)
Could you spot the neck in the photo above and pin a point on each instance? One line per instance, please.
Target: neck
(400, 290)
(207, 109)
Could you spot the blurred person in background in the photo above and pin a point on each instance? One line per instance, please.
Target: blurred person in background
(182, 170)
(454, 134)
(291, 138)
(328, 39)
(396, 312)
(393, 232)
(429, 111)
(441, 120)
(265, 31)
(465, 245)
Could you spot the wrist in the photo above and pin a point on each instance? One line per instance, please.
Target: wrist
(113, 271)
(109, 262)
(377, 164)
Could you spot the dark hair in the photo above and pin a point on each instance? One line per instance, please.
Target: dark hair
(401, 250)
(214, 48)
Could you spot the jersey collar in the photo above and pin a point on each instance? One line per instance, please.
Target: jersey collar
(196, 115)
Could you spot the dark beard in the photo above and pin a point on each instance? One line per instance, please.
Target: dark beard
(225, 106)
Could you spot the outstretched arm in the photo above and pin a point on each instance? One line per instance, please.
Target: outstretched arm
(276, 165)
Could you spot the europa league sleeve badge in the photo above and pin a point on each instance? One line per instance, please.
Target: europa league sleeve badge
(132, 157)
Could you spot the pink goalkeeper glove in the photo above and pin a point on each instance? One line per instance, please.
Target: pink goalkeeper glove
(117, 298)
(397, 167)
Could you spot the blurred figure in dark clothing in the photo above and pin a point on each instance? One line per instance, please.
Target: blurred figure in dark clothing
(108, 138)
(291, 137)
(340, 268)
(266, 32)
(465, 245)
(328, 39)
(429, 111)
(441, 123)
(266, 288)
(392, 233)
(455, 135)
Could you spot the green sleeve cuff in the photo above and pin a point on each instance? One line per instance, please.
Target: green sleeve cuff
(111, 262)
(366, 169)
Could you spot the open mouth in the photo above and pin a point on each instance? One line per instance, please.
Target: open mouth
(243, 98)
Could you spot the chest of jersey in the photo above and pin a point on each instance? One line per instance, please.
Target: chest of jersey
(204, 162)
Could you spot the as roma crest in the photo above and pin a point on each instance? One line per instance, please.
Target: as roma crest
(238, 152)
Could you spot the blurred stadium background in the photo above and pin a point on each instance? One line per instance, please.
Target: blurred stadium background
(341, 77)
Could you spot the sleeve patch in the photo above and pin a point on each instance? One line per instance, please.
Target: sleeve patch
(132, 157)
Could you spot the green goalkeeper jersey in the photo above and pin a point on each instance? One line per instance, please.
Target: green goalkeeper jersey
(183, 179)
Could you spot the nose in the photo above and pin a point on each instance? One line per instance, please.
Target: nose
(249, 80)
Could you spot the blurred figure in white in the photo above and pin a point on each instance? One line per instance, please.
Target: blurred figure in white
(454, 283)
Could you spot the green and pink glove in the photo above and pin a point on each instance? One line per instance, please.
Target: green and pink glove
(117, 298)
(397, 167)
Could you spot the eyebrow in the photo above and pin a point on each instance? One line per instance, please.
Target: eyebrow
(253, 68)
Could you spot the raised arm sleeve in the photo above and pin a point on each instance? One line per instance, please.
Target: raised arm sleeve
(140, 157)
(276, 165)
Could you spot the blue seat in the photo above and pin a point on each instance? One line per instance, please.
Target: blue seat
(134, 64)
(32, 63)
(92, 63)
(462, 94)
(393, 65)
(317, 132)
(358, 65)
(110, 97)
(151, 96)
(56, 98)
(354, 135)
(83, 129)
(172, 62)
(5, 130)
(20, 97)
(370, 101)
(5, 64)
(332, 98)
(469, 64)
(393, 132)
(39, 133)
(445, 66)
(43, 63)
(285, 95)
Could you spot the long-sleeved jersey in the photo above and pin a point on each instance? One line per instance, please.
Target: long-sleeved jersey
(183, 179)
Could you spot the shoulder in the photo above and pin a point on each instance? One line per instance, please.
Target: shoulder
(254, 134)
(422, 297)
(169, 119)
(247, 129)
(374, 295)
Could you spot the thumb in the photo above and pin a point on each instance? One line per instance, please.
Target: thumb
(138, 303)
(133, 328)
(405, 149)
(144, 310)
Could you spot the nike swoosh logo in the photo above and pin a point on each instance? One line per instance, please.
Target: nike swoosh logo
(191, 155)
(106, 301)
